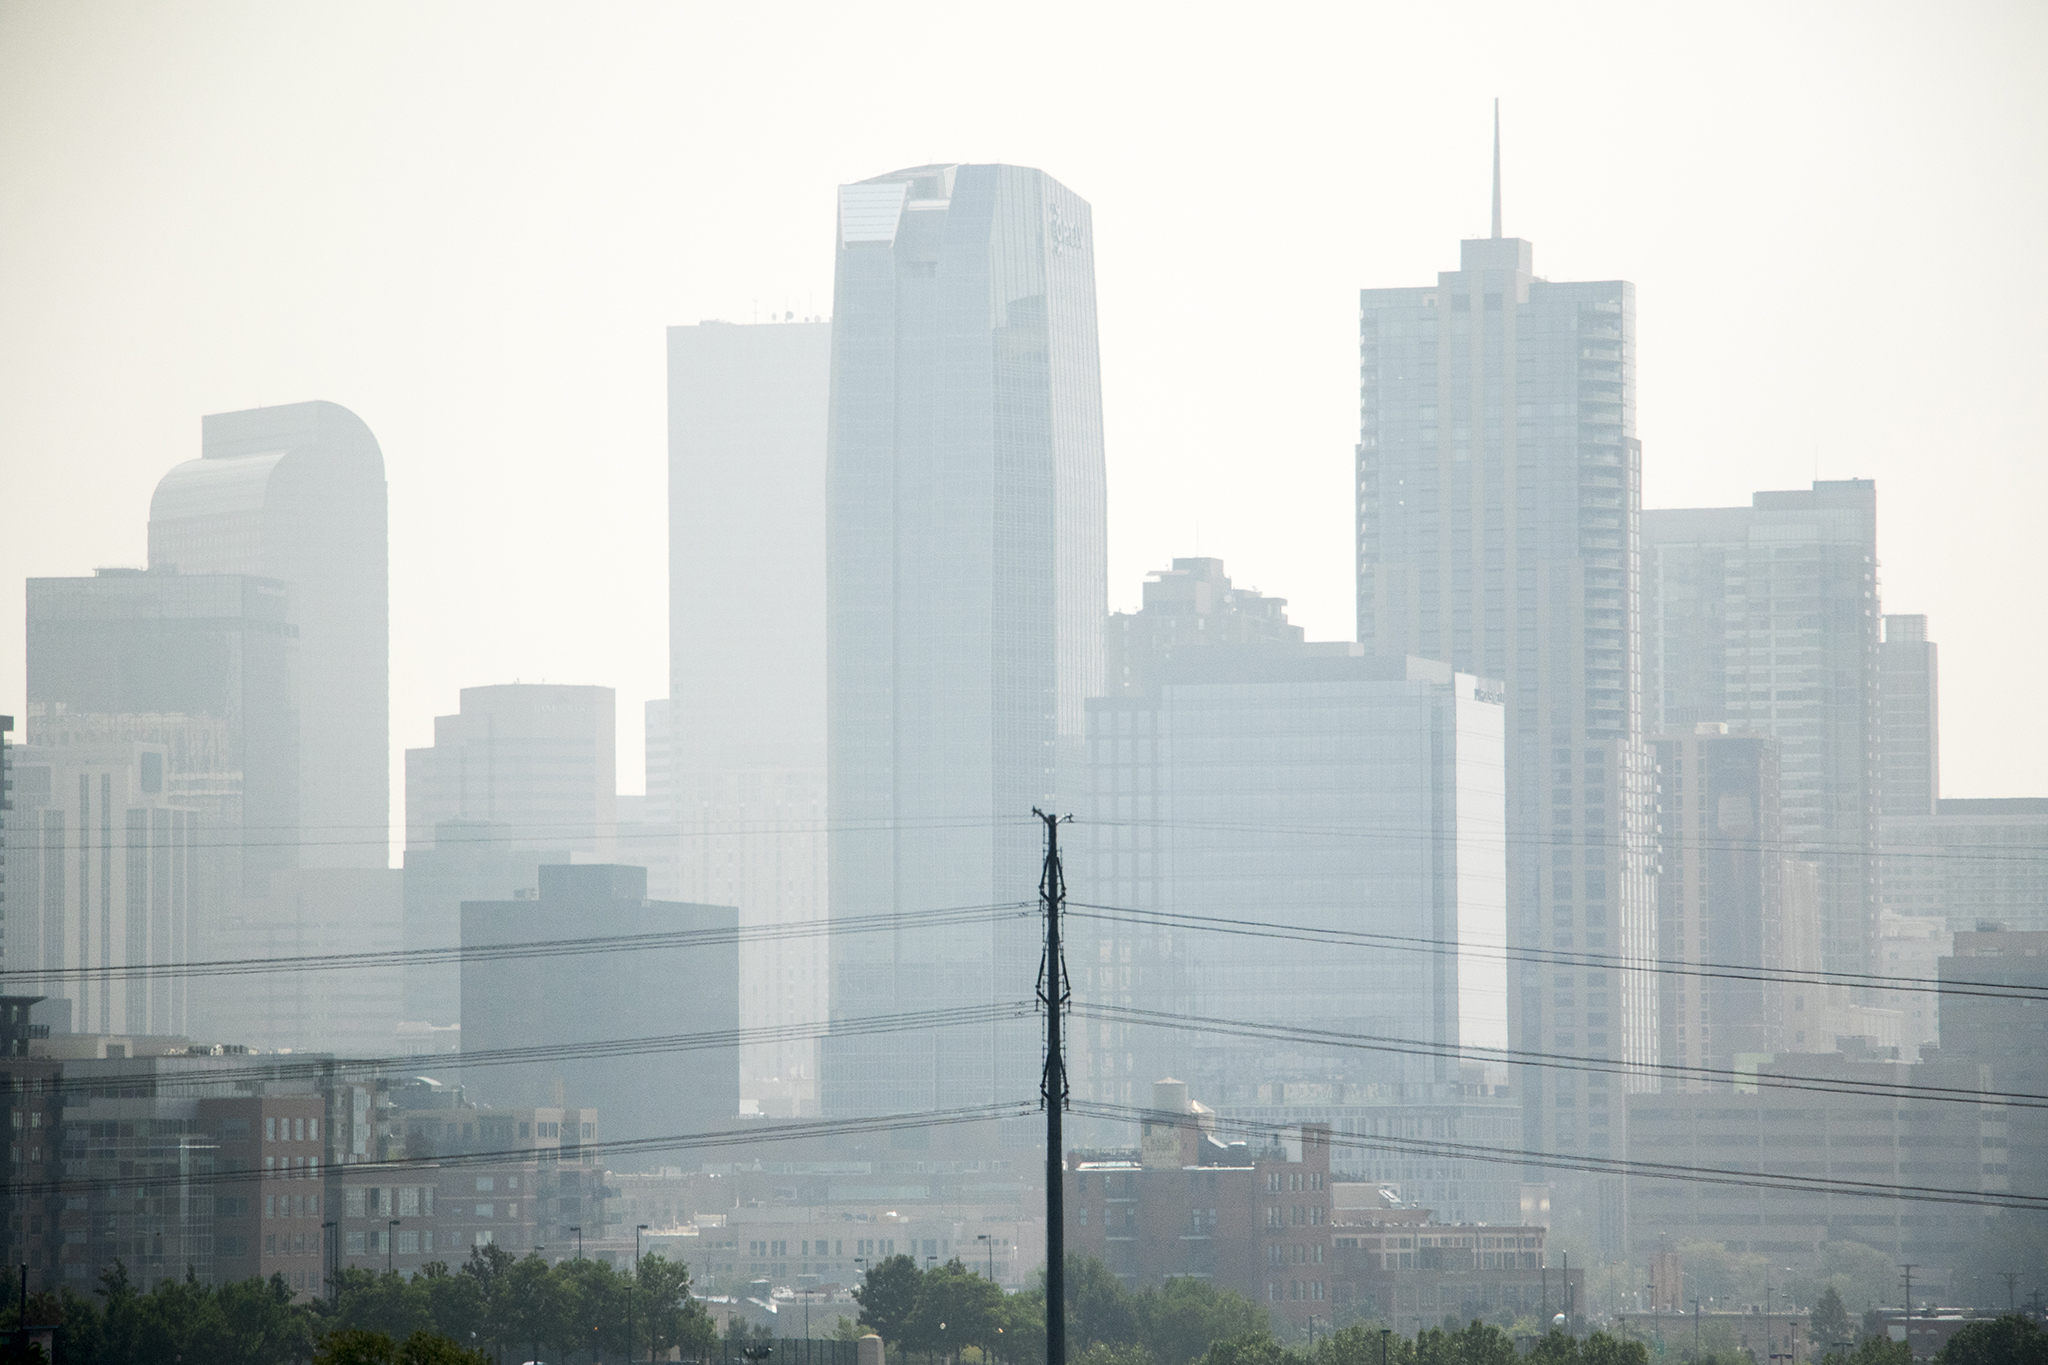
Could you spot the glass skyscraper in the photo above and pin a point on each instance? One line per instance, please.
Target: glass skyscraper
(965, 592)
(1499, 511)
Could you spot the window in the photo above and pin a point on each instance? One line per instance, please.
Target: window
(486, 1183)
(356, 1242)
(354, 1203)
(487, 1210)
(270, 1130)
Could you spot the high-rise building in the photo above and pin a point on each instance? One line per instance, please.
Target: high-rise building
(687, 985)
(522, 774)
(1910, 717)
(1190, 606)
(296, 494)
(1499, 488)
(966, 547)
(110, 871)
(1974, 862)
(1766, 617)
(205, 666)
(736, 754)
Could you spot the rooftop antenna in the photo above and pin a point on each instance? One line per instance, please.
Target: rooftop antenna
(1496, 168)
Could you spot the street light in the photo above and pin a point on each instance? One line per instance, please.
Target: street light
(984, 1237)
(390, 1244)
(638, 1230)
(578, 1230)
(333, 1269)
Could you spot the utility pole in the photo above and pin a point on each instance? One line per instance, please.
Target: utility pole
(1054, 995)
(1909, 1289)
(2012, 1279)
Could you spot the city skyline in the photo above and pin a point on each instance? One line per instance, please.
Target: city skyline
(1883, 129)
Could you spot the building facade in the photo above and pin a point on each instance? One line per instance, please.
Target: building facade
(1766, 617)
(296, 494)
(1356, 802)
(207, 667)
(965, 591)
(1974, 861)
(1190, 606)
(1499, 495)
(678, 978)
(1909, 691)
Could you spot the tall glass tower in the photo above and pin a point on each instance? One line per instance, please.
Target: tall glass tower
(1499, 513)
(966, 548)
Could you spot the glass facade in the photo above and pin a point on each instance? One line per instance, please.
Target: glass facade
(965, 548)
(1499, 488)
(1304, 786)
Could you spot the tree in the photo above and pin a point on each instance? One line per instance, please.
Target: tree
(887, 1296)
(1830, 1322)
(1254, 1348)
(1873, 1350)
(2010, 1340)
(673, 1318)
(356, 1346)
(955, 1308)
(1601, 1349)
(1177, 1321)
(1099, 1308)
(431, 1348)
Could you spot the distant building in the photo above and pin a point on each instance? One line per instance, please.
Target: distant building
(965, 550)
(350, 1010)
(1186, 1204)
(1910, 1142)
(1993, 1014)
(1190, 606)
(523, 774)
(1912, 949)
(687, 986)
(1307, 786)
(206, 668)
(1499, 529)
(108, 871)
(1399, 1266)
(296, 494)
(1909, 688)
(1728, 898)
(1973, 861)
(1766, 617)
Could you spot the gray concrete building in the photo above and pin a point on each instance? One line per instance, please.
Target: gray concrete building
(1190, 606)
(1909, 715)
(965, 592)
(1974, 861)
(296, 494)
(680, 977)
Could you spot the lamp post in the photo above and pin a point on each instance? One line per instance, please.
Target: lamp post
(578, 1230)
(1656, 1315)
(984, 1237)
(639, 1229)
(1386, 1333)
(390, 1245)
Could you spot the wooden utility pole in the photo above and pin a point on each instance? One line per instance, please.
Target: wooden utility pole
(1054, 996)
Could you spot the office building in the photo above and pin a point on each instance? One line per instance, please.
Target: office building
(1190, 606)
(205, 669)
(1994, 1014)
(1909, 717)
(108, 870)
(1914, 1142)
(1720, 902)
(1356, 801)
(1974, 861)
(965, 591)
(679, 978)
(296, 494)
(1766, 617)
(1499, 494)
(352, 1010)
(522, 774)
(1913, 947)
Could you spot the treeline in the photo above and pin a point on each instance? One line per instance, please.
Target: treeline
(493, 1307)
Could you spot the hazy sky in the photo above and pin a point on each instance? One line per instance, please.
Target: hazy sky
(470, 224)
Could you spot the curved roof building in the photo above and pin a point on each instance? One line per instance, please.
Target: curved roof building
(297, 493)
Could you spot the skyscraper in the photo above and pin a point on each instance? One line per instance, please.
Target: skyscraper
(1499, 497)
(1910, 694)
(1766, 617)
(736, 754)
(296, 493)
(966, 550)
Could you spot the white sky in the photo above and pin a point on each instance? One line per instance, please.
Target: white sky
(470, 224)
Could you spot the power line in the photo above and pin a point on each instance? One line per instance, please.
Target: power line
(262, 1070)
(1412, 835)
(943, 917)
(726, 1137)
(1702, 1175)
(1366, 1042)
(1556, 956)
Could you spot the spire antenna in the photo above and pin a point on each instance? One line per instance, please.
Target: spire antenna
(1496, 169)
